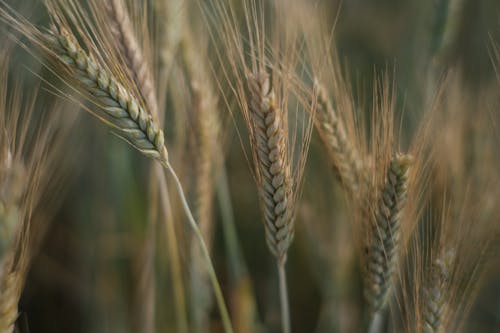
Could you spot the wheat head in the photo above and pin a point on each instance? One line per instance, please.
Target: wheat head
(435, 297)
(383, 250)
(124, 111)
(344, 156)
(273, 168)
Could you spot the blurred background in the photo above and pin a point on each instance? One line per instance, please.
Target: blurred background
(90, 271)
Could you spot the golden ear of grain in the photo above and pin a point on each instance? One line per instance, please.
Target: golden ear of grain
(124, 111)
(383, 250)
(332, 131)
(273, 168)
(435, 298)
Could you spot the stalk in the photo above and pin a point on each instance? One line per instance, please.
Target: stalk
(285, 307)
(180, 301)
(226, 321)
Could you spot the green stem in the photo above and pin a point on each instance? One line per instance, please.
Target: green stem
(226, 321)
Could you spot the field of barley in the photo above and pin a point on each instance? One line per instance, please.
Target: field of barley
(206, 166)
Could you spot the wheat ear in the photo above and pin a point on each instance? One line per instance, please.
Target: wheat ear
(385, 233)
(332, 131)
(273, 169)
(273, 176)
(435, 298)
(123, 33)
(124, 111)
(134, 124)
(207, 155)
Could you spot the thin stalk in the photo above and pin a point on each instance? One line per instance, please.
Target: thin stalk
(180, 301)
(285, 308)
(226, 321)
(376, 323)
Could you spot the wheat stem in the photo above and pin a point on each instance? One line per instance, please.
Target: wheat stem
(376, 323)
(181, 313)
(226, 321)
(285, 306)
